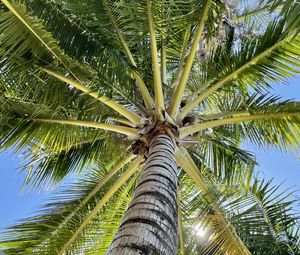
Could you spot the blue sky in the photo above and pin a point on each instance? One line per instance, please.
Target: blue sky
(16, 204)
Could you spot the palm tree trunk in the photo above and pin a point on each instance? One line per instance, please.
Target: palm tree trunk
(150, 224)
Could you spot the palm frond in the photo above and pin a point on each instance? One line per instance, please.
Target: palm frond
(189, 62)
(232, 244)
(271, 57)
(256, 209)
(221, 155)
(40, 47)
(159, 98)
(50, 152)
(267, 121)
(74, 223)
(38, 40)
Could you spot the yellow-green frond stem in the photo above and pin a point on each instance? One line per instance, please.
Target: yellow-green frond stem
(123, 121)
(127, 174)
(133, 117)
(144, 91)
(130, 132)
(163, 56)
(159, 98)
(223, 115)
(142, 86)
(186, 165)
(189, 62)
(215, 123)
(191, 105)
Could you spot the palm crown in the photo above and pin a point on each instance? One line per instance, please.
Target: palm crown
(87, 85)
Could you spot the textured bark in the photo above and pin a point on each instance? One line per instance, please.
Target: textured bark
(150, 226)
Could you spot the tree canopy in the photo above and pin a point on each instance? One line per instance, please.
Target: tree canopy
(85, 84)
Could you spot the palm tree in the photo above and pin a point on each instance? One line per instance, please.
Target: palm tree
(169, 87)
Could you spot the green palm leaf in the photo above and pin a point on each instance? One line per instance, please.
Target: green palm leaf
(271, 57)
(55, 229)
